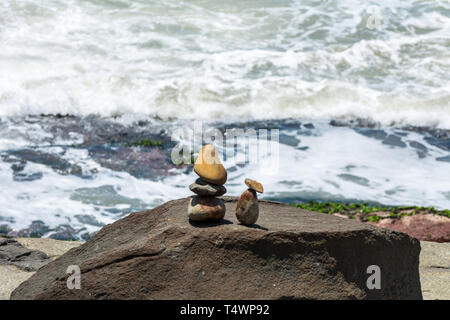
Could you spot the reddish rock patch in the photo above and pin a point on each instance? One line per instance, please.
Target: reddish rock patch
(426, 227)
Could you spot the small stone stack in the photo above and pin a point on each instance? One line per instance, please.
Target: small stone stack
(205, 206)
(247, 209)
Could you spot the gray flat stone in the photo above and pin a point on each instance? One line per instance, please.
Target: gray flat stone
(13, 253)
(435, 270)
(203, 188)
(395, 141)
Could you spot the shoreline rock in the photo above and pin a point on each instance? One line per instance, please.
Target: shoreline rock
(291, 253)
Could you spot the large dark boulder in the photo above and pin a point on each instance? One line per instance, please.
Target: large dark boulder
(290, 254)
(13, 253)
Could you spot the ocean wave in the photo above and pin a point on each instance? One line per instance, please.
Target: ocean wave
(226, 61)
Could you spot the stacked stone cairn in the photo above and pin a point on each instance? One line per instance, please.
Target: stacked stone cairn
(205, 206)
(247, 209)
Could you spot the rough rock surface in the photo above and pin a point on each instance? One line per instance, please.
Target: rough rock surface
(13, 253)
(291, 254)
(435, 270)
(426, 227)
(11, 276)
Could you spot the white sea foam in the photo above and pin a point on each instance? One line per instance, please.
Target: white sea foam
(264, 59)
(334, 163)
(226, 61)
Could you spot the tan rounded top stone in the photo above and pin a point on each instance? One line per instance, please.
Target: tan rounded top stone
(255, 185)
(209, 167)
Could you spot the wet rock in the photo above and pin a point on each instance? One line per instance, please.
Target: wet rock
(354, 123)
(202, 209)
(418, 146)
(247, 209)
(151, 164)
(106, 196)
(443, 144)
(288, 140)
(7, 219)
(203, 188)
(421, 154)
(306, 133)
(22, 177)
(445, 159)
(18, 167)
(119, 147)
(309, 126)
(355, 179)
(87, 235)
(36, 229)
(88, 219)
(372, 133)
(4, 229)
(13, 253)
(64, 232)
(54, 161)
(393, 140)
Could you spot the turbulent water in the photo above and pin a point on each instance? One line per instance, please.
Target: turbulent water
(143, 68)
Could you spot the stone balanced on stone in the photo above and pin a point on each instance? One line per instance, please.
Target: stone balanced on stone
(247, 209)
(205, 206)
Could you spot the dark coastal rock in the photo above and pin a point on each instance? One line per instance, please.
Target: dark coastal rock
(443, 144)
(288, 140)
(148, 164)
(393, 140)
(292, 253)
(418, 146)
(354, 123)
(445, 159)
(4, 229)
(64, 232)
(88, 219)
(36, 229)
(203, 188)
(54, 161)
(421, 154)
(355, 179)
(87, 235)
(21, 177)
(372, 133)
(142, 149)
(13, 253)
(401, 133)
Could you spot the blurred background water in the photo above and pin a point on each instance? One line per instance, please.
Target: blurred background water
(127, 71)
